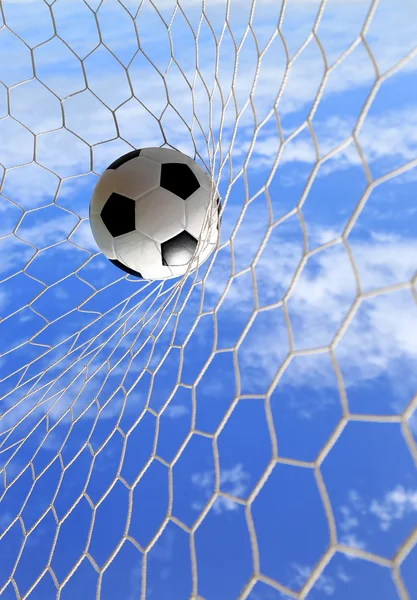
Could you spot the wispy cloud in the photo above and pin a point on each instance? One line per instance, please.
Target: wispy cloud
(391, 136)
(357, 516)
(176, 411)
(349, 521)
(395, 505)
(65, 154)
(324, 292)
(380, 335)
(234, 481)
(353, 541)
(135, 581)
(83, 237)
(42, 233)
(325, 584)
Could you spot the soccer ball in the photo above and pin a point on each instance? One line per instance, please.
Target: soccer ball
(153, 212)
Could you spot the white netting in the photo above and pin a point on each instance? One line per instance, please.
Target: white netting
(212, 437)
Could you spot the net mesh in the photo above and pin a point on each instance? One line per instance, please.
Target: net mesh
(93, 363)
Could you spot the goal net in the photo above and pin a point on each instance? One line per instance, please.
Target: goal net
(247, 431)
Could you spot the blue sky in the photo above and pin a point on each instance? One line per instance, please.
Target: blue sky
(250, 432)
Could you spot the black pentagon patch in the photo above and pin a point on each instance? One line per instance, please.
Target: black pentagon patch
(118, 214)
(124, 159)
(178, 250)
(179, 179)
(123, 267)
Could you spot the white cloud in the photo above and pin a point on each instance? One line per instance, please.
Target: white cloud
(379, 340)
(391, 136)
(317, 300)
(395, 505)
(135, 579)
(325, 584)
(353, 541)
(349, 521)
(383, 134)
(300, 574)
(11, 2)
(83, 237)
(164, 548)
(178, 410)
(381, 330)
(52, 442)
(69, 388)
(233, 481)
(46, 232)
(356, 515)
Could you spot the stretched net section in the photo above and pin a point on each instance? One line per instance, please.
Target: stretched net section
(247, 431)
